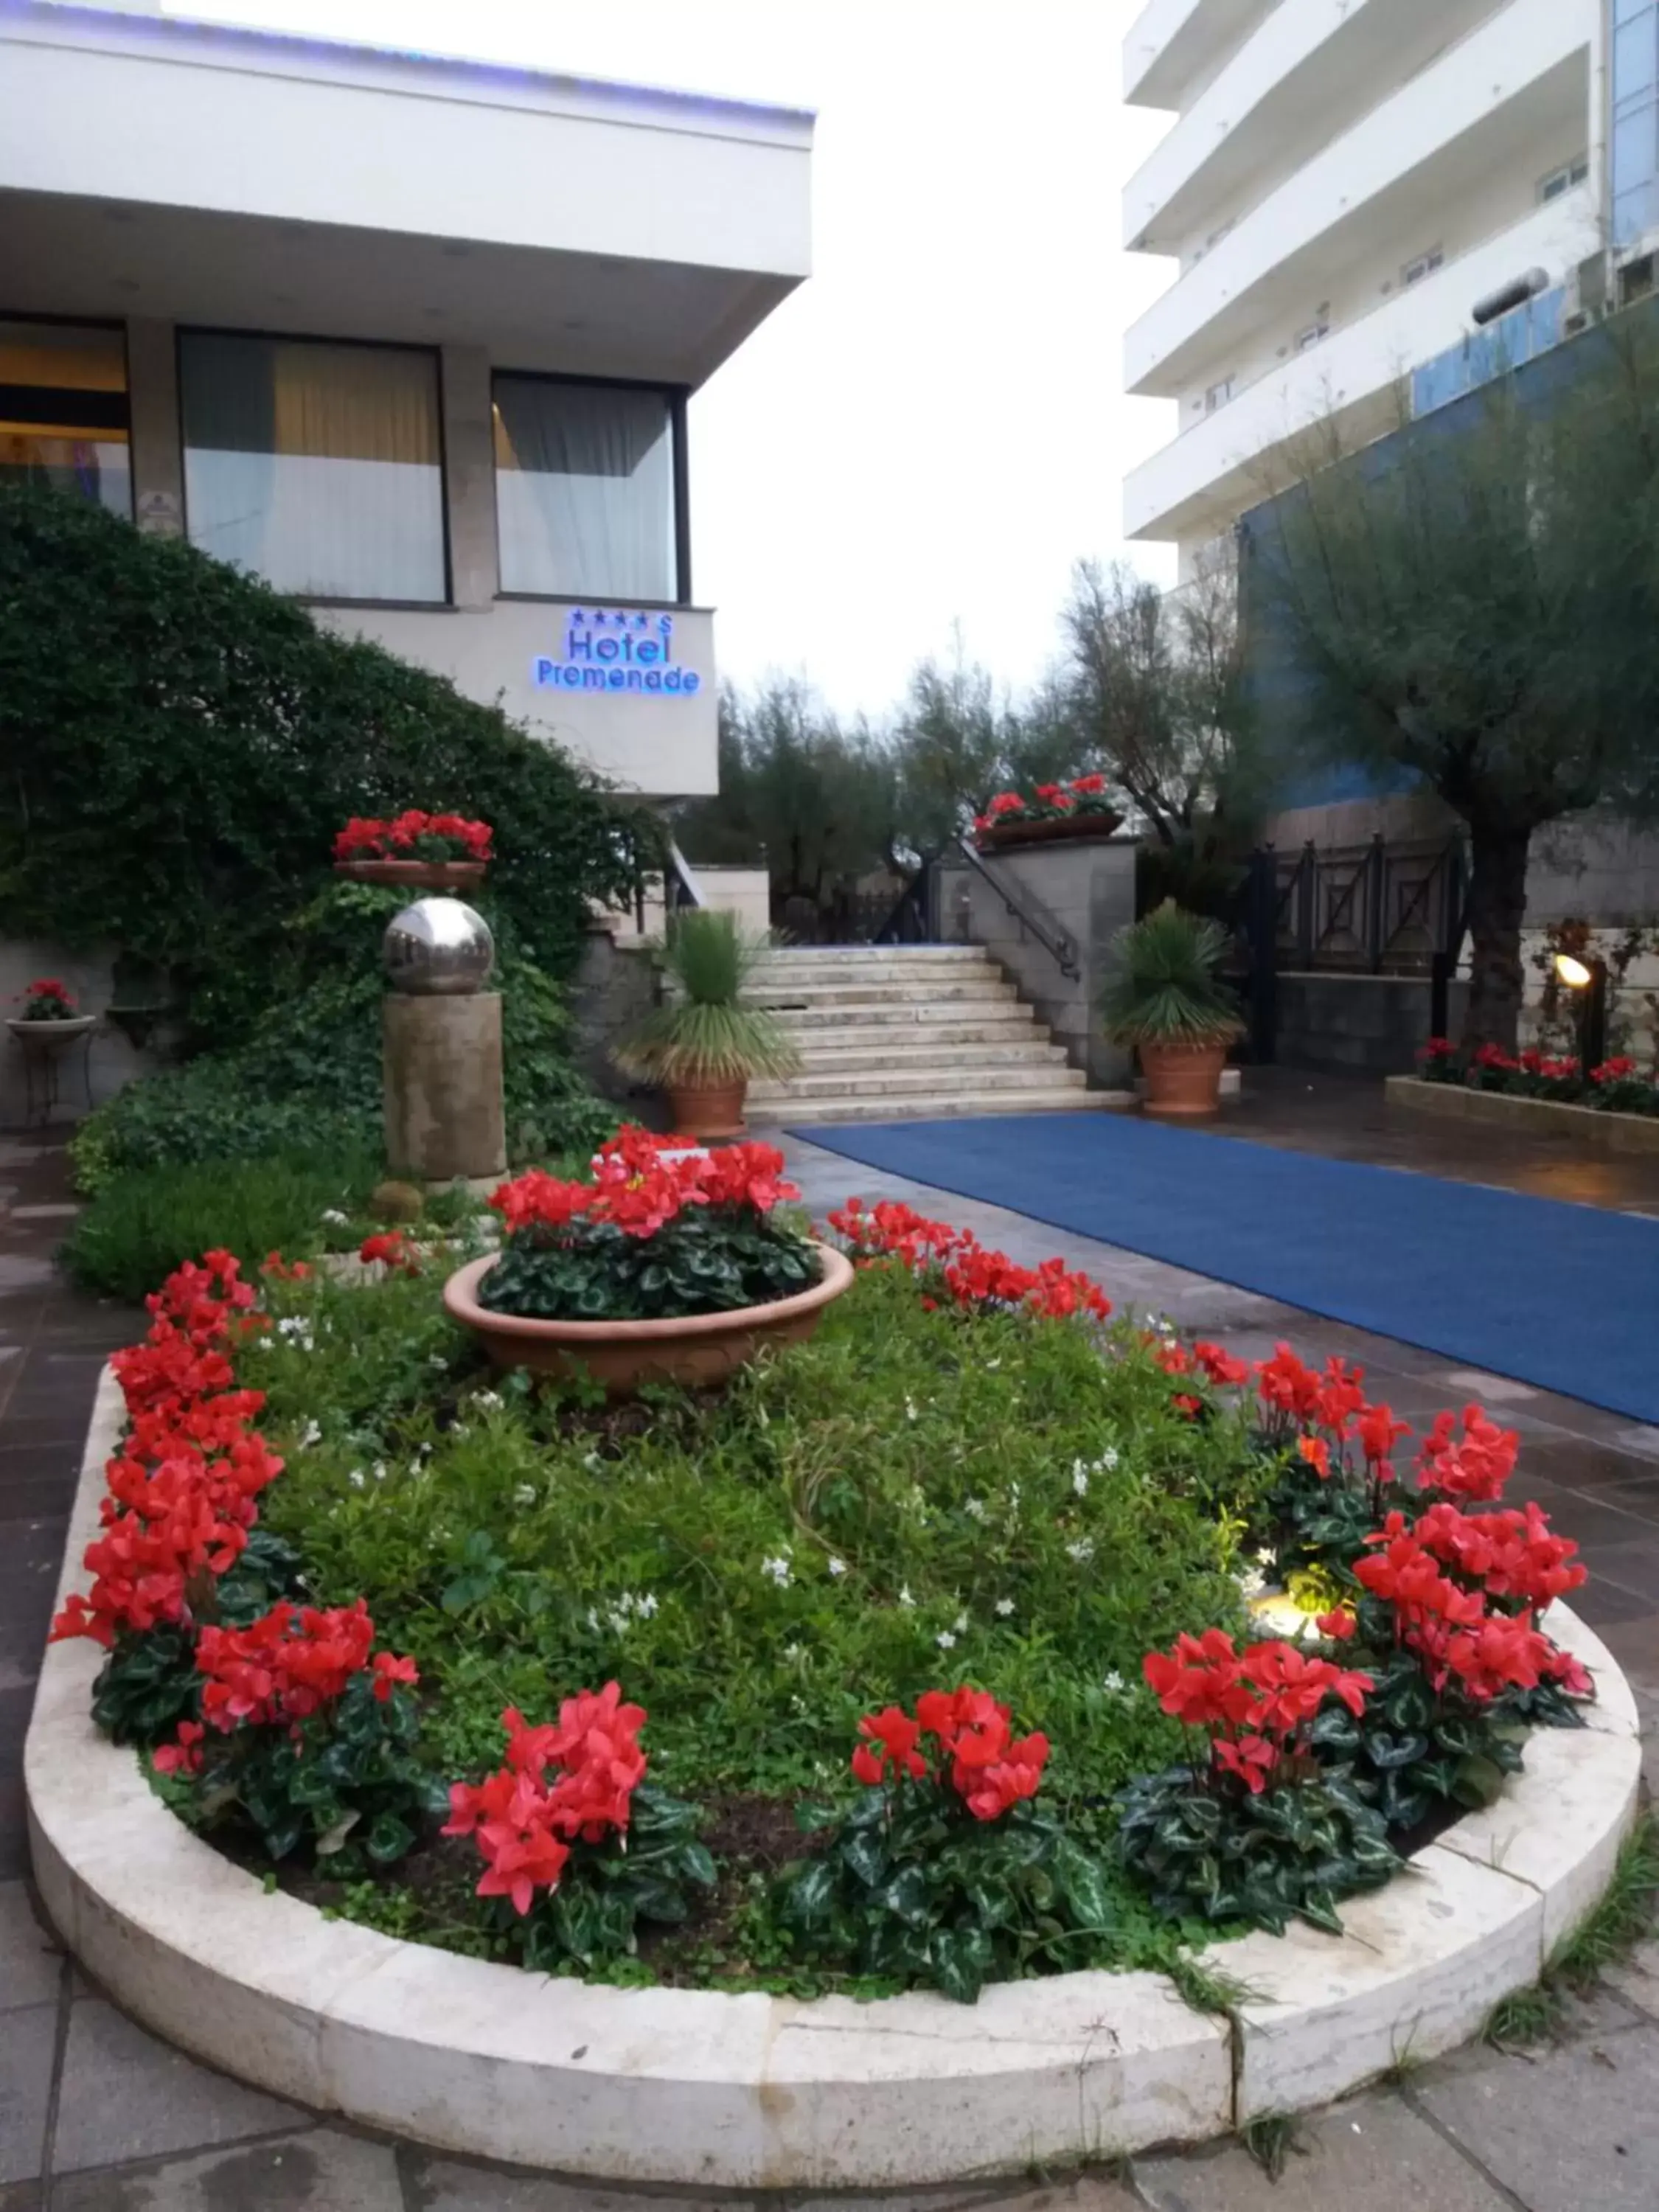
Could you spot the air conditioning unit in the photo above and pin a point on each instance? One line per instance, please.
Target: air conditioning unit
(1635, 280)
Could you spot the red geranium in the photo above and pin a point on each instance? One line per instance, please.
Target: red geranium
(1255, 1705)
(979, 1760)
(414, 835)
(392, 1248)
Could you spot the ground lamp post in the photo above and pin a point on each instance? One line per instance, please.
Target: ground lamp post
(442, 1047)
(1587, 980)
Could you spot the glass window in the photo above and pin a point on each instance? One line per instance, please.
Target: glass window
(63, 410)
(316, 466)
(584, 489)
(1424, 265)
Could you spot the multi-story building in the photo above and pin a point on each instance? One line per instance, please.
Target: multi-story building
(412, 338)
(1357, 192)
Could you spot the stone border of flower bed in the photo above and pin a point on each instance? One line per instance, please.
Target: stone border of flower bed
(750, 2092)
(1592, 1125)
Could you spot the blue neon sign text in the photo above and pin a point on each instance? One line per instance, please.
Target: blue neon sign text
(619, 651)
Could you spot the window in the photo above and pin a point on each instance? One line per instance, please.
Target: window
(585, 488)
(1308, 339)
(1564, 178)
(1218, 395)
(316, 466)
(1424, 265)
(63, 410)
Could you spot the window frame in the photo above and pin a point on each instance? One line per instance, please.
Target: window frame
(117, 324)
(1565, 177)
(434, 354)
(675, 396)
(1429, 263)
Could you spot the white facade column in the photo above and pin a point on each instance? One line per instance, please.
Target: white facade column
(158, 456)
(470, 476)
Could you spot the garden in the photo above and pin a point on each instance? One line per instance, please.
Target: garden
(975, 1634)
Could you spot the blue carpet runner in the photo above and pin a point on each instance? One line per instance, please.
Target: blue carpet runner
(1563, 1297)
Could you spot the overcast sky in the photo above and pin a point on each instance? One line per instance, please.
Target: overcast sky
(931, 429)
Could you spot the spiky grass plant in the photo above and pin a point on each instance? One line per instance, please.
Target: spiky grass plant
(705, 1034)
(1164, 987)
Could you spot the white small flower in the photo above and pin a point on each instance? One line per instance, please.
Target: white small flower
(1266, 1558)
(838, 1567)
(356, 1477)
(263, 1343)
(1252, 1582)
(973, 1507)
(313, 1434)
(905, 1597)
(794, 1651)
(487, 1402)
(436, 1359)
(334, 1218)
(910, 1413)
(946, 1641)
(960, 1624)
(461, 1429)
(525, 1494)
(592, 1620)
(992, 1366)
(1013, 1497)
(778, 1568)
(594, 1463)
(1108, 1459)
(1079, 1478)
(1082, 1550)
(379, 1470)
(1115, 1684)
(1005, 1606)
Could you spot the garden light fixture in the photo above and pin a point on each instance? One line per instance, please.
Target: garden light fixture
(1589, 977)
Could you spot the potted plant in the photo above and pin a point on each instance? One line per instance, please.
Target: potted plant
(48, 1016)
(1051, 814)
(425, 852)
(667, 1264)
(1166, 1000)
(704, 1045)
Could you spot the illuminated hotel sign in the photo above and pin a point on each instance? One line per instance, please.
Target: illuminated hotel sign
(620, 651)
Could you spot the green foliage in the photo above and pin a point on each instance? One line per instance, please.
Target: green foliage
(909, 1888)
(1270, 2138)
(705, 1034)
(226, 739)
(346, 1784)
(146, 1686)
(139, 1227)
(307, 1078)
(605, 1891)
(1414, 1749)
(1220, 1854)
(1164, 989)
(710, 1260)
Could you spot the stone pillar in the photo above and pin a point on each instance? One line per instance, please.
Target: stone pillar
(158, 460)
(1088, 889)
(442, 1057)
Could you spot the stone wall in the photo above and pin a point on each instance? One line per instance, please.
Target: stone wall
(1089, 891)
(90, 977)
(1360, 1025)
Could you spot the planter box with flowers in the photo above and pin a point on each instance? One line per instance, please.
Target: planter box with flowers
(667, 1265)
(414, 851)
(48, 1018)
(1616, 1109)
(1052, 814)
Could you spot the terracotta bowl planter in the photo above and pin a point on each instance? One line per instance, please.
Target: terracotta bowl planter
(707, 1109)
(1183, 1079)
(416, 875)
(623, 1355)
(1071, 828)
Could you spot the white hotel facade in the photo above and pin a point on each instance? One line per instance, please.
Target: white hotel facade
(412, 338)
(1342, 185)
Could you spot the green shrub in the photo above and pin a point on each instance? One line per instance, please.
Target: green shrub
(145, 1225)
(182, 744)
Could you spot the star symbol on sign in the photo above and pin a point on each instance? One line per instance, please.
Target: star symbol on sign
(599, 617)
(639, 622)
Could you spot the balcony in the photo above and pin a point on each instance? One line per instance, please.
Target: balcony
(1202, 482)
(1172, 43)
(1309, 69)
(1479, 121)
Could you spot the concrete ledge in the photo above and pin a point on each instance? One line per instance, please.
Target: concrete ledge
(1534, 1117)
(751, 2092)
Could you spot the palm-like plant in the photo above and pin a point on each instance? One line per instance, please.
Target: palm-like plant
(705, 1034)
(1164, 989)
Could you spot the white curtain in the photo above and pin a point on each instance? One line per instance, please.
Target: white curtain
(584, 489)
(315, 466)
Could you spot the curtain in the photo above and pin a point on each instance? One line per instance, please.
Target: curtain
(316, 466)
(584, 489)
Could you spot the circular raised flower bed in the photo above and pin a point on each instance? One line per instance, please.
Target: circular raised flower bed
(1073, 829)
(693, 1351)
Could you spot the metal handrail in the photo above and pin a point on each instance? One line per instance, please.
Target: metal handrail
(1030, 913)
(680, 886)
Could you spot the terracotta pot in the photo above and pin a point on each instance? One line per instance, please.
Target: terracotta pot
(707, 1110)
(1068, 828)
(416, 875)
(1183, 1079)
(623, 1355)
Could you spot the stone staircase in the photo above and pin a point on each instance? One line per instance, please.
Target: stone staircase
(889, 1032)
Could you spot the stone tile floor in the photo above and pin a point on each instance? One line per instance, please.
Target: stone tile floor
(97, 2116)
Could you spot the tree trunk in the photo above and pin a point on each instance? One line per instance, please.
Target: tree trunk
(1498, 907)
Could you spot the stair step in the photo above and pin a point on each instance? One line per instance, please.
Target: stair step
(860, 990)
(875, 975)
(901, 1082)
(1027, 1050)
(874, 1026)
(876, 955)
(938, 1106)
(1001, 1015)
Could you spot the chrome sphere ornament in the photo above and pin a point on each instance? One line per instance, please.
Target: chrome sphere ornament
(438, 948)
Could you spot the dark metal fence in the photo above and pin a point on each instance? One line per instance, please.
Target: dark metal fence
(1373, 910)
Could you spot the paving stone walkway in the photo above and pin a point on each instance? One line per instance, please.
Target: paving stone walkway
(98, 2116)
